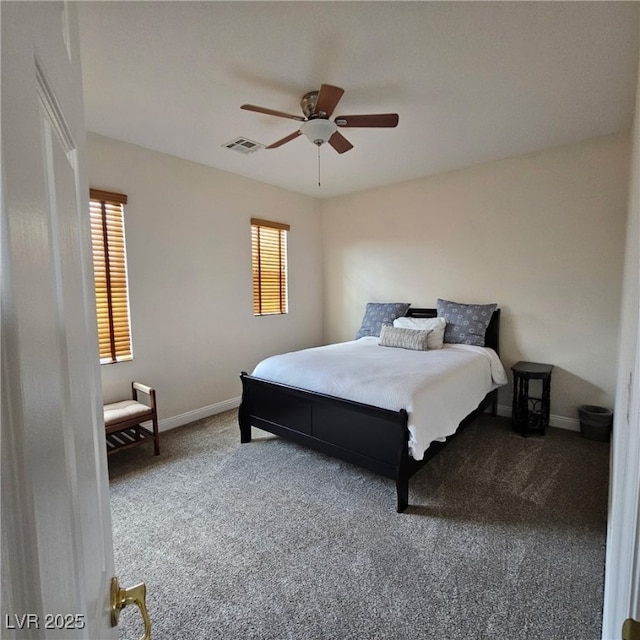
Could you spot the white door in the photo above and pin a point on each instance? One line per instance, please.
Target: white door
(57, 554)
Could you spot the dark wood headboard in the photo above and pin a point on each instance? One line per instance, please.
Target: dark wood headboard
(491, 338)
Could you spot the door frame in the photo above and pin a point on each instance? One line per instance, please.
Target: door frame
(622, 565)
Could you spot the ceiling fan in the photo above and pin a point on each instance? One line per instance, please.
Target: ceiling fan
(317, 107)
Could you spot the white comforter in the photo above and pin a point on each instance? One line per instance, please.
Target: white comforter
(438, 388)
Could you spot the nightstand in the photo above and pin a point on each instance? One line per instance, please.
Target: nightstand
(531, 402)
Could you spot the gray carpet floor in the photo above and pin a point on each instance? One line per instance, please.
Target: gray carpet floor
(504, 539)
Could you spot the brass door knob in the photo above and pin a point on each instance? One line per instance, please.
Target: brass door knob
(120, 598)
(631, 629)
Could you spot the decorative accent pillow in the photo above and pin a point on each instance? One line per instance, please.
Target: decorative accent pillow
(415, 339)
(435, 327)
(466, 323)
(378, 313)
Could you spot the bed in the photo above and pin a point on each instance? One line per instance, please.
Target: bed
(390, 429)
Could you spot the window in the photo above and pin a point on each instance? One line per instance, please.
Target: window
(110, 272)
(269, 259)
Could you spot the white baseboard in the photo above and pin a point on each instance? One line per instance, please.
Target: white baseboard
(571, 424)
(198, 414)
(561, 422)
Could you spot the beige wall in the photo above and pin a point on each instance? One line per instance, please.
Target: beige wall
(189, 262)
(542, 235)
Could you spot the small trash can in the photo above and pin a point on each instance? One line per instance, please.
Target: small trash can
(595, 422)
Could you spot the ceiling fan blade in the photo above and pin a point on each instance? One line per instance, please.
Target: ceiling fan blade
(339, 142)
(271, 112)
(328, 98)
(371, 120)
(282, 141)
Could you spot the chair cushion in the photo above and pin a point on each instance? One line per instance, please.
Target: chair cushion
(119, 411)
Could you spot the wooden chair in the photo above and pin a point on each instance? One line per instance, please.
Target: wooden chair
(122, 421)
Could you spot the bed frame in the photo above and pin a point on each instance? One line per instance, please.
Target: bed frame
(370, 437)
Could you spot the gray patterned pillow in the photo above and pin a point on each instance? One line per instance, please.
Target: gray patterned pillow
(378, 313)
(415, 339)
(466, 323)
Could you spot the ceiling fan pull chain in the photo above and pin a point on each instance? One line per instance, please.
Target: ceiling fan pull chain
(318, 165)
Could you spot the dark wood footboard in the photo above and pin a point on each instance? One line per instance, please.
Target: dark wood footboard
(373, 438)
(370, 437)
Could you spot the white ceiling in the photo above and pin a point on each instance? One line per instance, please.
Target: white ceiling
(471, 81)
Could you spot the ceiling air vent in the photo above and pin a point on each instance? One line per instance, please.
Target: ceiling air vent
(243, 145)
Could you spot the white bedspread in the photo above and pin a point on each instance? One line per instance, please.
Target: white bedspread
(438, 388)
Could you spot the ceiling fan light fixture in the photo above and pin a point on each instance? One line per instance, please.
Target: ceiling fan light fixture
(318, 130)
